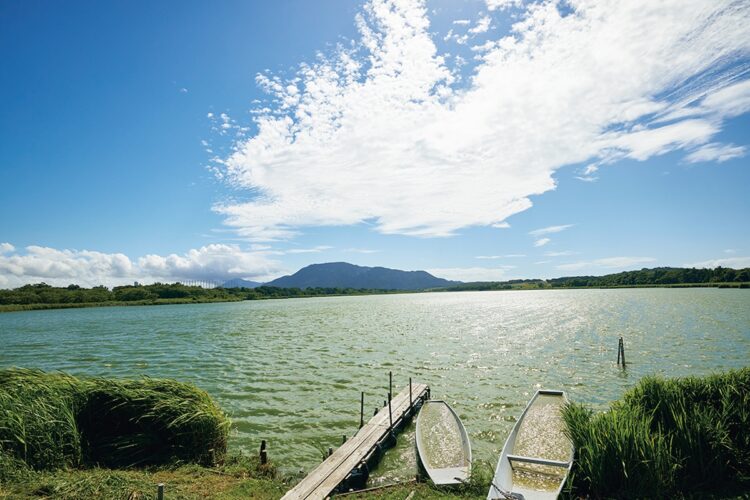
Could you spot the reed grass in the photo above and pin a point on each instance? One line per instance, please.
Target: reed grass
(665, 438)
(54, 420)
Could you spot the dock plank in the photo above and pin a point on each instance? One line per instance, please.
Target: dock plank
(322, 480)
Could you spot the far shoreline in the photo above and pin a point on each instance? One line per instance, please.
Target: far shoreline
(6, 308)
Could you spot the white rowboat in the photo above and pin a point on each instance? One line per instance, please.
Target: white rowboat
(537, 456)
(443, 446)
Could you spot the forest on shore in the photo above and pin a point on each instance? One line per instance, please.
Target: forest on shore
(44, 296)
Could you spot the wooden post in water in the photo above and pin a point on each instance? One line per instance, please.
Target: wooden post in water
(390, 414)
(330, 451)
(263, 452)
(362, 410)
(390, 384)
(621, 352)
(160, 491)
(411, 400)
(343, 440)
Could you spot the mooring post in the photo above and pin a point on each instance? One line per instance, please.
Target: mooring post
(160, 491)
(330, 451)
(375, 412)
(390, 384)
(622, 349)
(410, 398)
(343, 440)
(361, 410)
(390, 415)
(263, 452)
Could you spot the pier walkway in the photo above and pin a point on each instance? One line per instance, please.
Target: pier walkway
(355, 456)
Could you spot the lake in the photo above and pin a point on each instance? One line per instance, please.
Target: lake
(291, 371)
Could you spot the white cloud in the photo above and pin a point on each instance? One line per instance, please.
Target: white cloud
(733, 262)
(716, 152)
(502, 4)
(6, 248)
(541, 242)
(550, 230)
(462, 22)
(560, 254)
(506, 256)
(472, 273)
(482, 26)
(361, 250)
(381, 131)
(184, 90)
(317, 249)
(608, 262)
(90, 268)
(730, 250)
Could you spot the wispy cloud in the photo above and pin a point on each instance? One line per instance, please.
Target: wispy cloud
(361, 250)
(608, 262)
(506, 256)
(560, 254)
(715, 152)
(733, 262)
(472, 273)
(317, 249)
(382, 131)
(541, 242)
(550, 230)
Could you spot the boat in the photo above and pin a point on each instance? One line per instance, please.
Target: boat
(443, 447)
(537, 456)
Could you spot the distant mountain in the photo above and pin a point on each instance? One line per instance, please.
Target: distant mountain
(240, 283)
(345, 275)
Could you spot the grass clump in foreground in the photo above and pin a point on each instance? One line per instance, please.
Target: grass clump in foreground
(52, 420)
(666, 438)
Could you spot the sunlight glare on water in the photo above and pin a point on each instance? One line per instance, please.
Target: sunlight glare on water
(291, 371)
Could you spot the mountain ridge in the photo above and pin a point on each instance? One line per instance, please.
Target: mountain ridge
(346, 275)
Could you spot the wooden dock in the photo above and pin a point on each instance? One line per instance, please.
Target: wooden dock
(352, 461)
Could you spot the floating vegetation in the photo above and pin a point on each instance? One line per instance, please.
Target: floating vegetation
(666, 438)
(54, 420)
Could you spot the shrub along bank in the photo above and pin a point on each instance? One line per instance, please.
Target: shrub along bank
(666, 438)
(53, 420)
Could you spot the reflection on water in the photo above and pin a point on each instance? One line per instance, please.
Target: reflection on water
(541, 435)
(440, 437)
(291, 371)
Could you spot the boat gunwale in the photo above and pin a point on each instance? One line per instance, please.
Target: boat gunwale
(466, 443)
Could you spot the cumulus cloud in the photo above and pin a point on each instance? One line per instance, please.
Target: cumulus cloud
(733, 262)
(6, 248)
(472, 273)
(381, 131)
(89, 268)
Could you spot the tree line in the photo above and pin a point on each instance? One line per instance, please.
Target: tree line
(42, 293)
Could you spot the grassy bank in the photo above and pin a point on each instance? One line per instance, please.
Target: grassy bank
(50, 421)
(666, 438)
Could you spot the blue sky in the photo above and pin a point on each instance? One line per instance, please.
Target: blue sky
(479, 140)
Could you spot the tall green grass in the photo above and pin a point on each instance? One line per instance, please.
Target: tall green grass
(666, 437)
(53, 420)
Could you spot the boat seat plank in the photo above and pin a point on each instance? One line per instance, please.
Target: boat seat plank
(538, 461)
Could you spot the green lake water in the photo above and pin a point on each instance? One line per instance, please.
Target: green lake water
(291, 371)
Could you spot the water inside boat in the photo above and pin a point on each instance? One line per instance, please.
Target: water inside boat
(440, 438)
(541, 435)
